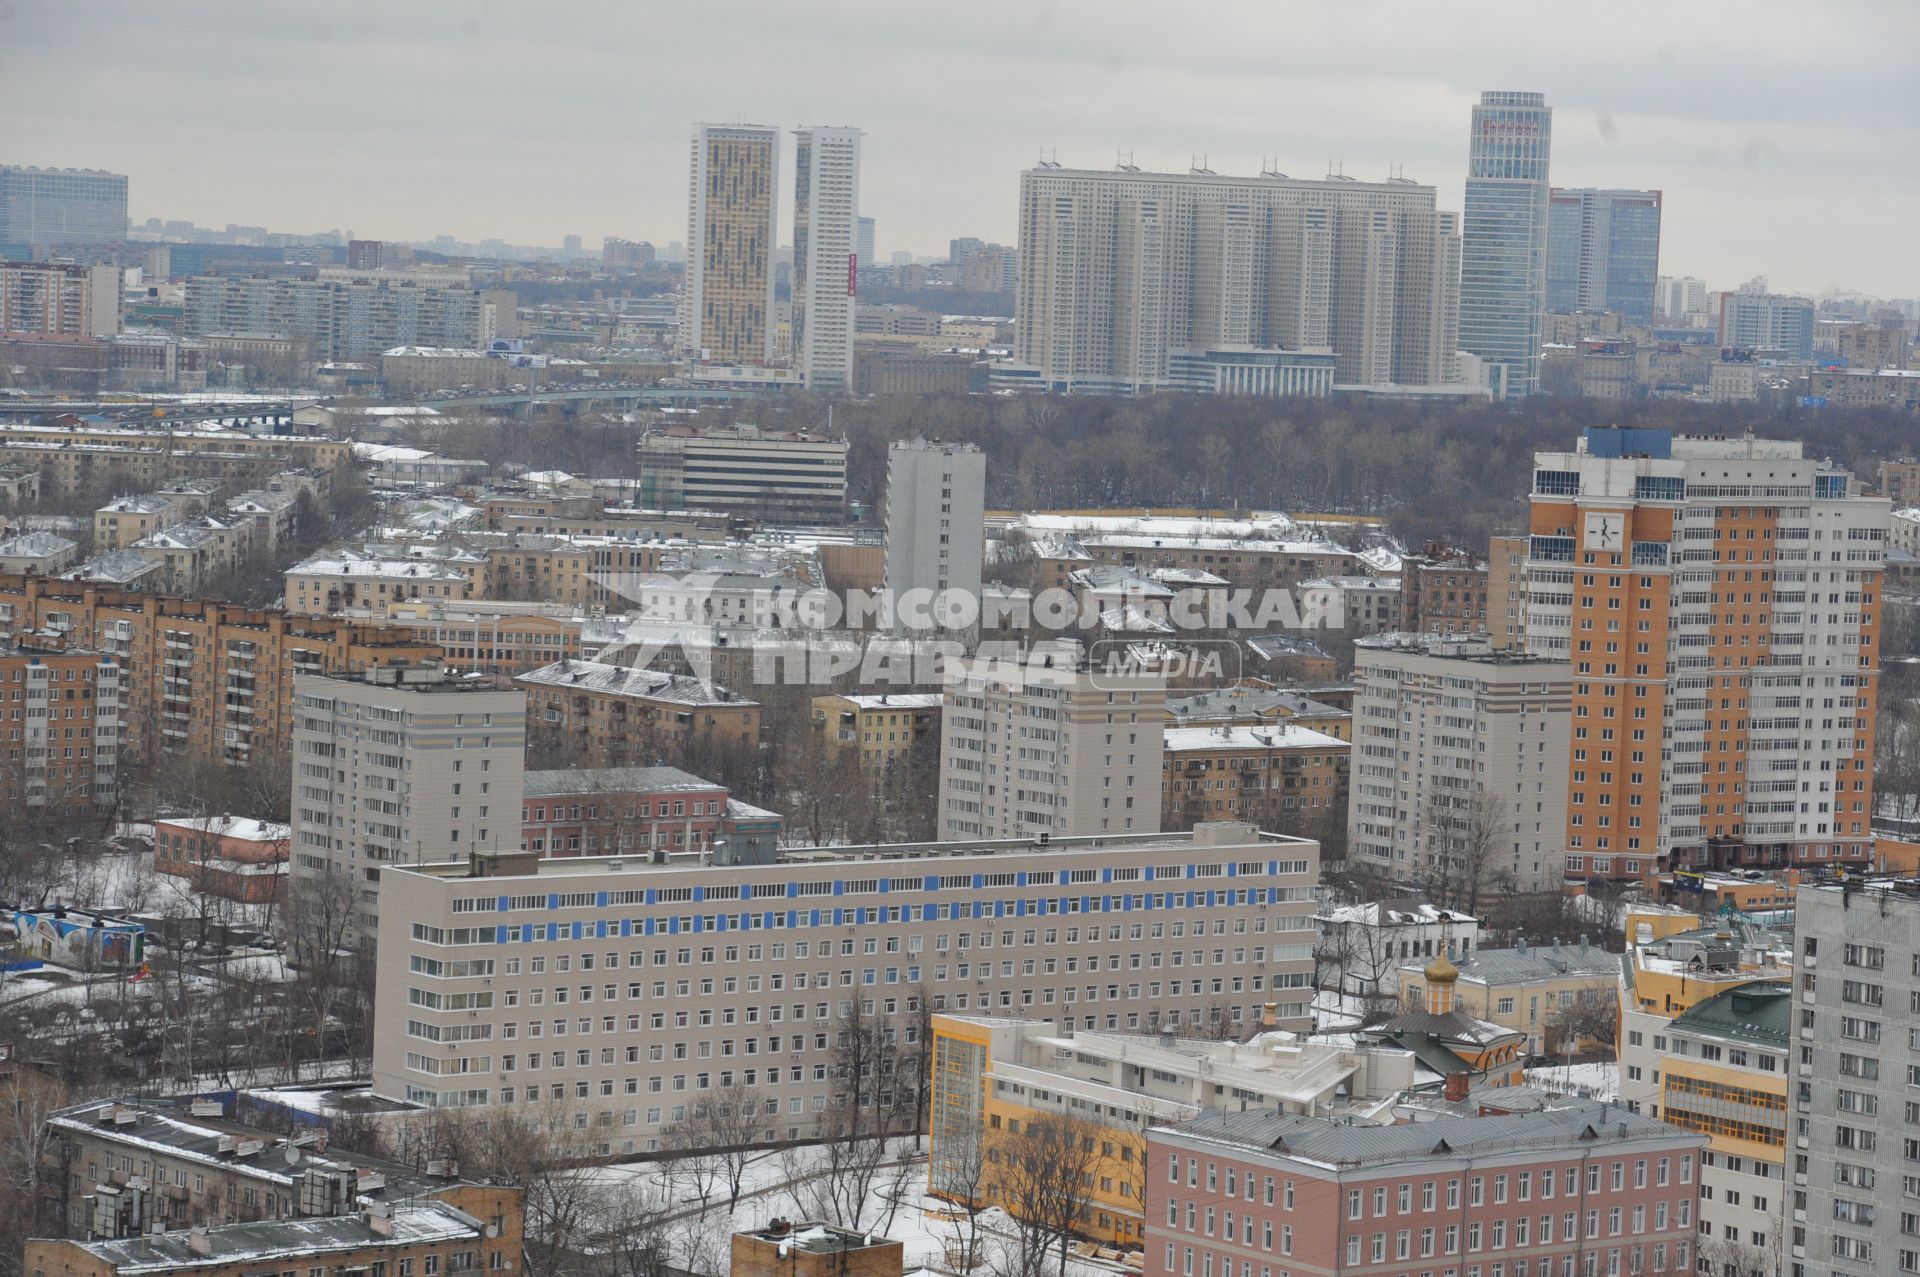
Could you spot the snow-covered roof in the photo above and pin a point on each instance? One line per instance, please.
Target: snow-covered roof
(1133, 619)
(414, 1223)
(626, 680)
(140, 503)
(895, 700)
(1381, 559)
(1105, 578)
(242, 827)
(1277, 736)
(398, 569)
(1243, 545)
(115, 567)
(36, 545)
(1364, 584)
(181, 536)
(1162, 525)
(1395, 913)
(386, 452)
(432, 352)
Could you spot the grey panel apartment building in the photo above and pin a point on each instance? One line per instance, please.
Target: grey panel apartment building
(400, 765)
(1855, 1125)
(1053, 742)
(626, 991)
(342, 319)
(1459, 757)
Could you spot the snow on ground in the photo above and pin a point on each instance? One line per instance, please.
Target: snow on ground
(128, 883)
(254, 966)
(899, 1206)
(1599, 1080)
(1335, 1012)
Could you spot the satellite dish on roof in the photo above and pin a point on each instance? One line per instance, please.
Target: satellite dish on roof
(292, 1155)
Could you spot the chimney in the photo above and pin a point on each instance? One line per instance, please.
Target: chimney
(1270, 1015)
(1457, 1086)
(199, 1241)
(380, 1219)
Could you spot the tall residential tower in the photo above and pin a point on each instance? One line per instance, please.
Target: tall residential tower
(1125, 275)
(727, 299)
(1720, 602)
(826, 245)
(1503, 270)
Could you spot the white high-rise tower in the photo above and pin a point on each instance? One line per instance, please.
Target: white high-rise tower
(826, 245)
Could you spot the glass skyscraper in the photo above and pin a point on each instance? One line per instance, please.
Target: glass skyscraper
(1503, 266)
(1603, 252)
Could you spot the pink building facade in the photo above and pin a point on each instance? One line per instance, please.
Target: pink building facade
(1589, 1190)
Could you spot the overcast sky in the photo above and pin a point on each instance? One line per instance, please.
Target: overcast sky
(1783, 132)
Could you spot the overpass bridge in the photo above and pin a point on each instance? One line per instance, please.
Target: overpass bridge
(572, 399)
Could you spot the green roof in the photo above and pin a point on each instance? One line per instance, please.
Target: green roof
(1761, 1012)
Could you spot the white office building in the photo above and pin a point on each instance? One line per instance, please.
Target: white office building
(826, 246)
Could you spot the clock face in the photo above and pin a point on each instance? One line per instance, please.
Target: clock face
(1604, 531)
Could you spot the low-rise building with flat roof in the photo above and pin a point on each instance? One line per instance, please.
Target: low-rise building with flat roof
(993, 1075)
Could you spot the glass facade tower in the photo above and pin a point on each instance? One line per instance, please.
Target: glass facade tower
(1503, 269)
(1603, 252)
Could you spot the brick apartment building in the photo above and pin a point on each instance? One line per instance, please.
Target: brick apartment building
(615, 810)
(622, 714)
(63, 713)
(200, 678)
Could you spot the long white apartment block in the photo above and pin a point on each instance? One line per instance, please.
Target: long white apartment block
(626, 991)
(1125, 274)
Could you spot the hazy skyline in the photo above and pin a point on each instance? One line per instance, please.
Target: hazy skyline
(1775, 130)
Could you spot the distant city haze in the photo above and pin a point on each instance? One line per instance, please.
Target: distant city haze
(1778, 131)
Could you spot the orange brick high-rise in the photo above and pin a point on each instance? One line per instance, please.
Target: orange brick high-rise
(1719, 599)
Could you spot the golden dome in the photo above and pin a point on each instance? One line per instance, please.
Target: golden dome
(1441, 971)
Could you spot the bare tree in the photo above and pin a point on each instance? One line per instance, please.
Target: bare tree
(730, 1125)
(836, 1183)
(322, 946)
(1594, 1016)
(958, 1171)
(1043, 1175)
(28, 1098)
(1464, 833)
